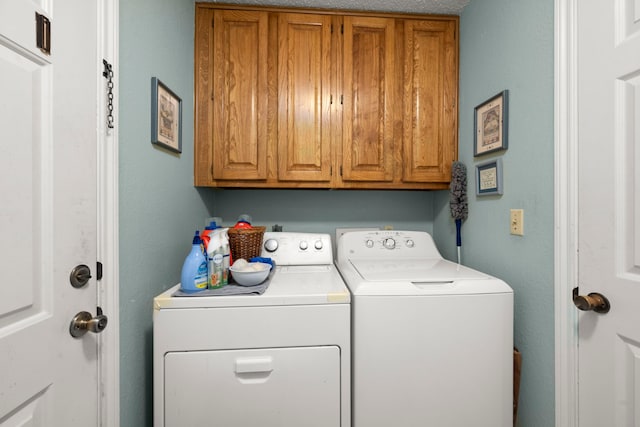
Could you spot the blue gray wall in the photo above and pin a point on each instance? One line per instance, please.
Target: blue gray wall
(504, 44)
(507, 44)
(159, 207)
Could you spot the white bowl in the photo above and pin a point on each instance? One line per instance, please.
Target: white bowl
(252, 274)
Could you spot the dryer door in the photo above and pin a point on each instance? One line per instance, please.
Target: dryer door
(259, 387)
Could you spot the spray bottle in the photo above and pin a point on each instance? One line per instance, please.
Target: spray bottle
(226, 254)
(215, 257)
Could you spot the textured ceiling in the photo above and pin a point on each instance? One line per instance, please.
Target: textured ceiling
(441, 7)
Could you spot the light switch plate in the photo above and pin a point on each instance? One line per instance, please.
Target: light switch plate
(516, 222)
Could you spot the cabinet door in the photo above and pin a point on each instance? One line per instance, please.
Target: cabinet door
(430, 100)
(368, 82)
(304, 82)
(240, 95)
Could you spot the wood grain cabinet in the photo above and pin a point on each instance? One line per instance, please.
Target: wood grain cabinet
(369, 99)
(323, 99)
(304, 98)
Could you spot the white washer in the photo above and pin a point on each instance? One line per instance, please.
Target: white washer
(432, 340)
(277, 359)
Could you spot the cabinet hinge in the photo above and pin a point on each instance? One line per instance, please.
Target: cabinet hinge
(98, 270)
(340, 170)
(342, 29)
(331, 28)
(330, 99)
(212, 21)
(341, 99)
(330, 170)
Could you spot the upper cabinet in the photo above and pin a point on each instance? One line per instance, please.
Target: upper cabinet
(304, 98)
(320, 99)
(369, 99)
(430, 98)
(231, 96)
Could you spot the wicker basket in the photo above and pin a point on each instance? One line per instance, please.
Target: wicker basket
(245, 242)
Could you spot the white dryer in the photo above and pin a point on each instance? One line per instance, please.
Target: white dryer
(432, 341)
(277, 359)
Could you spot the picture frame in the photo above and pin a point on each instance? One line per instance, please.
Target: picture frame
(489, 178)
(166, 117)
(490, 124)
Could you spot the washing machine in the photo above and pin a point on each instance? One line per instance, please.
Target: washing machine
(432, 341)
(272, 359)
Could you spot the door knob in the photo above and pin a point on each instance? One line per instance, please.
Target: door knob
(84, 321)
(592, 302)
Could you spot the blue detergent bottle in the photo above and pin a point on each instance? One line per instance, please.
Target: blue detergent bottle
(194, 270)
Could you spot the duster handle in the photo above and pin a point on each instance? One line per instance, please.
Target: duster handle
(458, 234)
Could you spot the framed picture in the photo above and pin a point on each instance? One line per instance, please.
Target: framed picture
(166, 117)
(490, 125)
(489, 178)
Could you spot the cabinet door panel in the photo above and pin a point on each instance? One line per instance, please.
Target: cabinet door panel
(430, 93)
(240, 95)
(304, 78)
(368, 83)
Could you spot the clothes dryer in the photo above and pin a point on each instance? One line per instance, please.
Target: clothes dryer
(280, 358)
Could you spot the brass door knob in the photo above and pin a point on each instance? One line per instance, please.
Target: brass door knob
(592, 302)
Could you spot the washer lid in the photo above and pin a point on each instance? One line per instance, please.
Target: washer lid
(417, 277)
(421, 270)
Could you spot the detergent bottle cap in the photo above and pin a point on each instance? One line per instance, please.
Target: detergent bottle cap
(244, 221)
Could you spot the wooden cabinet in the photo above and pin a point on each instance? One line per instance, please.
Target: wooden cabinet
(430, 101)
(368, 86)
(322, 99)
(304, 97)
(231, 96)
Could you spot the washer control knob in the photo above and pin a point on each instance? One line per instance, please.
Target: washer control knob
(271, 245)
(369, 243)
(410, 243)
(303, 245)
(389, 243)
(318, 245)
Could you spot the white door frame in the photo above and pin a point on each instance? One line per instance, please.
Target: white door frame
(566, 212)
(108, 225)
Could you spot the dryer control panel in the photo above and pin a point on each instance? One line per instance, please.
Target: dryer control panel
(395, 244)
(289, 248)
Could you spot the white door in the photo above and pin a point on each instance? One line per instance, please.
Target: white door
(48, 134)
(608, 147)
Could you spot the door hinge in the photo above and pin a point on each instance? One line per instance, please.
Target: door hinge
(98, 270)
(43, 33)
(108, 74)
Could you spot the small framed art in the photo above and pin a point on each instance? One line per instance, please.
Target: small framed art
(490, 124)
(489, 178)
(166, 117)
